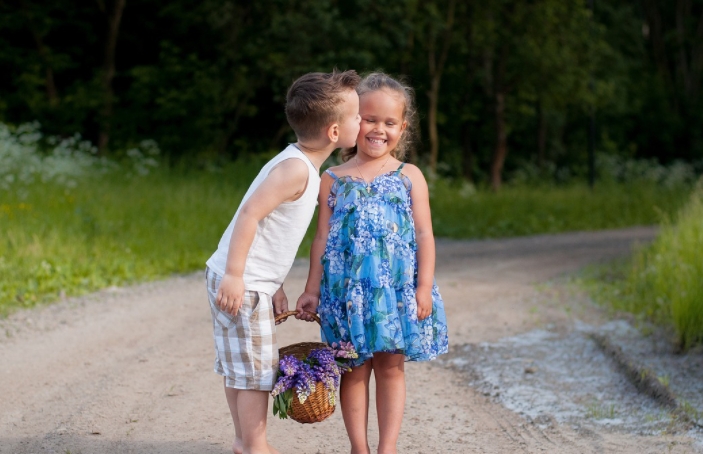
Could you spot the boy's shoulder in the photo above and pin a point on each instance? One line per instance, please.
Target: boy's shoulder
(288, 155)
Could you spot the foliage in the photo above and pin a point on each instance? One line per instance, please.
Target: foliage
(662, 282)
(208, 78)
(301, 376)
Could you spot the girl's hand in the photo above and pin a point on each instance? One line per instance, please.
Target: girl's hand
(280, 302)
(230, 294)
(423, 296)
(307, 302)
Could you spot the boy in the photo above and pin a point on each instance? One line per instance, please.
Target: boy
(245, 275)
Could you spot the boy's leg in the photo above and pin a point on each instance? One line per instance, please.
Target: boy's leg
(354, 398)
(389, 372)
(252, 408)
(247, 356)
(231, 394)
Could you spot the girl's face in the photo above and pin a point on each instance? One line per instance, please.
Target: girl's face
(382, 123)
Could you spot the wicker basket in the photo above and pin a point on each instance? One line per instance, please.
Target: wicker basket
(317, 406)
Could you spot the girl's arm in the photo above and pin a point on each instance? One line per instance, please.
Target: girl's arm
(310, 298)
(425, 240)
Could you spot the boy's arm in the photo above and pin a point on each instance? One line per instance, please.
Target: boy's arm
(280, 302)
(310, 298)
(425, 241)
(285, 182)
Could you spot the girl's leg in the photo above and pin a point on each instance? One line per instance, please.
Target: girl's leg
(389, 372)
(354, 398)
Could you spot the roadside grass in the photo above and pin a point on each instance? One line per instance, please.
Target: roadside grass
(530, 210)
(110, 231)
(663, 282)
(117, 229)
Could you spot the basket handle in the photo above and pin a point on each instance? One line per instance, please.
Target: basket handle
(284, 316)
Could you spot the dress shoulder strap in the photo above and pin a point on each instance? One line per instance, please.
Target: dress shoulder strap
(330, 173)
(400, 168)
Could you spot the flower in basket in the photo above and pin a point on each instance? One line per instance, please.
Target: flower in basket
(322, 366)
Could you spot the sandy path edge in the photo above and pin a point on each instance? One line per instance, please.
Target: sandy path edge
(130, 370)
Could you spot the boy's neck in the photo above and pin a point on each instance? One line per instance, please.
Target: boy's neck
(317, 154)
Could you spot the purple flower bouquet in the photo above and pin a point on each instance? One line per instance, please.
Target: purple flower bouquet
(323, 366)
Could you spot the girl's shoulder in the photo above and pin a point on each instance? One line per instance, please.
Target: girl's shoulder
(341, 170)
(414, 173)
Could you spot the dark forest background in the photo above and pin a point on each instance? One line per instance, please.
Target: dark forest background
(501, 85)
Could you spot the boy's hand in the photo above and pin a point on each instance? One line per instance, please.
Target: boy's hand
(230, 294)
(307, 302)
(280, 302)
(423, 296)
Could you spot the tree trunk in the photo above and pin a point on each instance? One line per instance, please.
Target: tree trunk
(659, 53)
(697, 59)
(51, 91)
(113, 26)
(541, 136)
(468, 158)
(436, 67)
(501, 148)
(683, 11)
(432, 122)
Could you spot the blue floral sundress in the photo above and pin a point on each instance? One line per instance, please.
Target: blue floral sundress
(370, 274)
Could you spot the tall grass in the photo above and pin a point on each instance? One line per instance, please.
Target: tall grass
(665, 282)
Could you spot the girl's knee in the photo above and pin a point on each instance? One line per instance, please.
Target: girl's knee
(389, 365)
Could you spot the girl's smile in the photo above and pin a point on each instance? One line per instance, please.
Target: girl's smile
(381, 124)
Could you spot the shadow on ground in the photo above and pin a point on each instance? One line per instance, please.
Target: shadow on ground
(75, 444)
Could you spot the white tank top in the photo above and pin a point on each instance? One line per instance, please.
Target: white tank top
(278, 235)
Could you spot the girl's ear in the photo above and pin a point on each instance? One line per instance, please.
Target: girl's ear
(403, 126)
(333, 133)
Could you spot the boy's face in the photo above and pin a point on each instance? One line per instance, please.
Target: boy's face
(349, 124)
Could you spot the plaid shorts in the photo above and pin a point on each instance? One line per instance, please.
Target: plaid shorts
(246, 353)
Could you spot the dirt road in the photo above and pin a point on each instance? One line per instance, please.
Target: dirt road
(130, 370)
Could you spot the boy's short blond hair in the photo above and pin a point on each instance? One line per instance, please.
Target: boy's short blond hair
(315, 100)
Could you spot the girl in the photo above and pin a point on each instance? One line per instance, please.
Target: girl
(372, 263)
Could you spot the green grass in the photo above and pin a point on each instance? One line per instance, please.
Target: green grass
(116, 230)
(519, 211)
(663, 282)
(110, 231)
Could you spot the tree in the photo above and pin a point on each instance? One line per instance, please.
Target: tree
(113, 15)
(532, 54)
(438, 34)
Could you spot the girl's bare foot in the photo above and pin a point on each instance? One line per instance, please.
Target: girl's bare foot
(238, 447)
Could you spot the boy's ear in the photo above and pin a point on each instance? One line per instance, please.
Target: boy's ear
(333, 133)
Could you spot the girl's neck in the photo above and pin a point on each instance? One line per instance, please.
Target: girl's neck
(364, 159)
